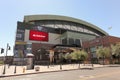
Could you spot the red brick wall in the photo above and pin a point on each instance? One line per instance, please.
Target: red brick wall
(113, 39)
(105, 41)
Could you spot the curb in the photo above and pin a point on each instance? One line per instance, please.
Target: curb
(44, 72)
(57, 71)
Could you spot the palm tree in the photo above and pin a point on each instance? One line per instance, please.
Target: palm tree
(103, 52)
(116, 51)
(79, 55)
(51, 56)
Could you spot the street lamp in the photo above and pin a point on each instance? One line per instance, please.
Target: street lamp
(7, 48)
(15, 69)
(60, 32)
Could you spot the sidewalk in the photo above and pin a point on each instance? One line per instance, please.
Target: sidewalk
(44, 69)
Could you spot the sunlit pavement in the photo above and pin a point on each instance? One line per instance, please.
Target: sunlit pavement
(10, 70)
(105, 73)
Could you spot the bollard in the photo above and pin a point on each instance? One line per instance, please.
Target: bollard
(23, 69)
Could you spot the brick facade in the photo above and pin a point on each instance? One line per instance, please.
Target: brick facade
(103, 41)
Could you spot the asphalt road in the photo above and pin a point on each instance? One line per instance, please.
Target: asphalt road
(106, 73)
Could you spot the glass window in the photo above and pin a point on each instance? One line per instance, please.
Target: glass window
(66, 25)
(77, 42)
(64, 41)
(86, 30)
(58, 25)
(71, 41)
(92, 49)
(80, 29)
(73, 27)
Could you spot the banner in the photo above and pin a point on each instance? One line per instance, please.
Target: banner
(38, 35)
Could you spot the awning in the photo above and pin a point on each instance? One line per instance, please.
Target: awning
(61, 45)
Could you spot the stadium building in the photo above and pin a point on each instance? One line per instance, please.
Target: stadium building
(37, 34)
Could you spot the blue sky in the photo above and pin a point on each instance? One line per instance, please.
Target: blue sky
(102, 13)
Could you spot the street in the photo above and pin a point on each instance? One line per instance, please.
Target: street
(106, 73)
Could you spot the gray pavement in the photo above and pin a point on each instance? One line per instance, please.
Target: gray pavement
(105, 73)
(44, 69)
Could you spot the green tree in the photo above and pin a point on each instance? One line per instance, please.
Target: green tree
(103, 52)
(79, 55)
(116, 51)
(68, 57)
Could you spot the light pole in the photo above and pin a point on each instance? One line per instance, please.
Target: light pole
(7, 48)
(15, 69)
(61, 50)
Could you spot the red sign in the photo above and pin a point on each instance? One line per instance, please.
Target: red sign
(38, 36)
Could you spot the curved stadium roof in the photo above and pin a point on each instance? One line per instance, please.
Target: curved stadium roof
(29, 18)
